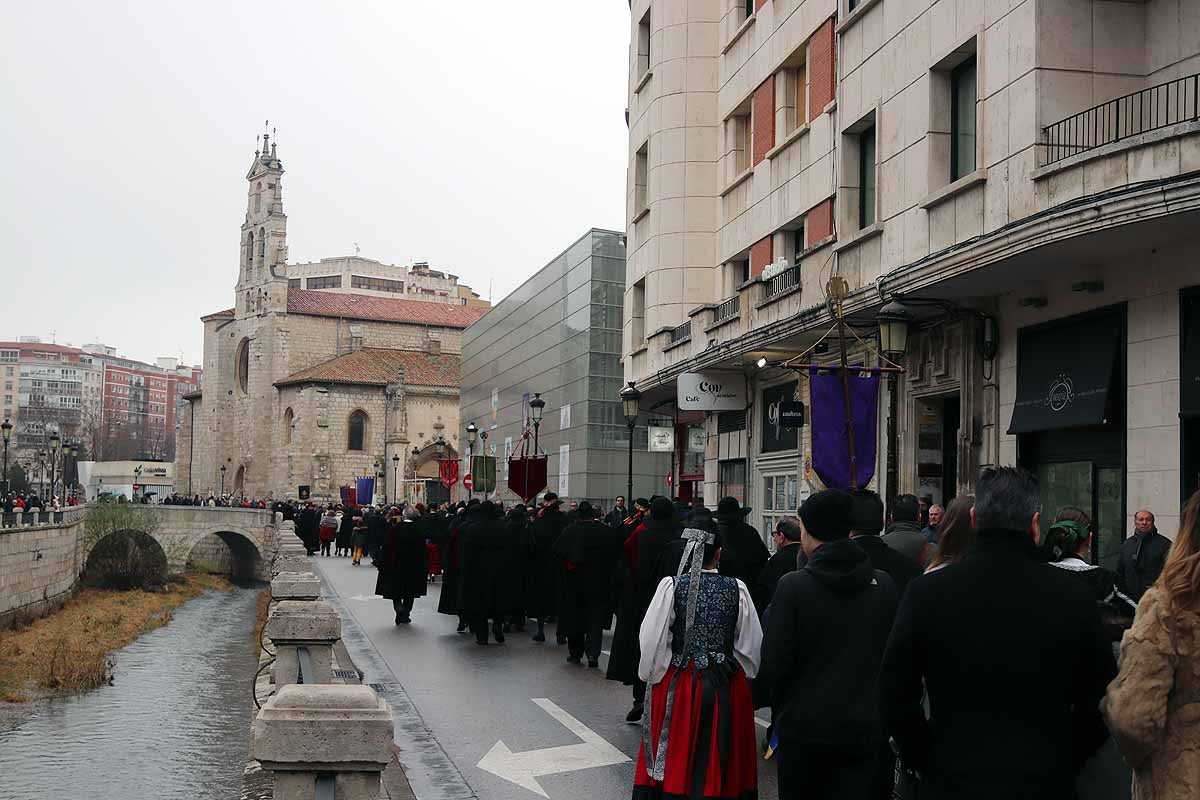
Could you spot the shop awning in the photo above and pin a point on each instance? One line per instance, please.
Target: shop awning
(1065, 373)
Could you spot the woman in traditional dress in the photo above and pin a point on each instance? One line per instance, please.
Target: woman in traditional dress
(700, 643)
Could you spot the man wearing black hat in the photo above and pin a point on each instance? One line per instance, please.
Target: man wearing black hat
(743, 554)
(823, 645)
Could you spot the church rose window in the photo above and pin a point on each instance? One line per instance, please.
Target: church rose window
(357, 430)
(242, 365)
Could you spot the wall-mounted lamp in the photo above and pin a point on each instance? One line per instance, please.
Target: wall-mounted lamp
(762, 362)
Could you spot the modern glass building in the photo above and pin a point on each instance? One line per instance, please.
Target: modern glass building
(559, 334)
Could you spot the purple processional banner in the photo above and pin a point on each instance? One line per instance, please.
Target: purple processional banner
(366, 490)
(827, 411)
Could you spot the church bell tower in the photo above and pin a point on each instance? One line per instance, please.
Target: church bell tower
(262, 282)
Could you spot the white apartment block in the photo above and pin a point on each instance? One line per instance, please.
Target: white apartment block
(365, 276)
(1019, 174)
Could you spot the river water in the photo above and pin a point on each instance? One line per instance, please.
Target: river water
(175, 722)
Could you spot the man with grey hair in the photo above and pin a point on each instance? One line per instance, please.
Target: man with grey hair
(1012, 654)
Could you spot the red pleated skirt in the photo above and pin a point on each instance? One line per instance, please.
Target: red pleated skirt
(712, 743)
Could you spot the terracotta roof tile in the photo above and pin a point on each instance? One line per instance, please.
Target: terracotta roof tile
(383, 309)
(377, 367)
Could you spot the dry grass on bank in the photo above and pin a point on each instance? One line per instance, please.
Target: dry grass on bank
(68, 652)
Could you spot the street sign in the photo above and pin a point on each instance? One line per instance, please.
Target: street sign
(468, 482)
(526, 767)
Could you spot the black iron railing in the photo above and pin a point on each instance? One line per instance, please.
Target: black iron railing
(682, 332)
(1150, 109)
(784, 281)
(728, 309)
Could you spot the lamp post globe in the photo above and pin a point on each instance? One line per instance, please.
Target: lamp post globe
(537, 406)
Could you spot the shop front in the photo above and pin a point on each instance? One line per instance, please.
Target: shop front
(1069, 419)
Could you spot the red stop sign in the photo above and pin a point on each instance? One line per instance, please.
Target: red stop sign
(468, 482)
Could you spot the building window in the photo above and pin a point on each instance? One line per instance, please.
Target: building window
(324, 282)
(262, 243)
(242, 365)
(641, 177)
(637, 315)
(798, 242)
(294, 283)
(852, 4)
(866, 172)
(356, 431)
(376, 284)
(732, 474)
(737, 143)
(643, 45)
(963, 96)
(780, 499)
(288, 419)
(748, 7)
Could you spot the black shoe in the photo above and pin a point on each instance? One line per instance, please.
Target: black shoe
(635, 714)
(574, 659)
(593, 663)
(499, 634)
(539, 637)
(462, 626)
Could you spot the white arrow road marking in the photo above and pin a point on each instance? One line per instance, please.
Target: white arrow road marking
(525, 768)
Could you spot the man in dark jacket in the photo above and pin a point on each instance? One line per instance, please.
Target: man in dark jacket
(866, 523)
(821, 653)
(588, 550)
(489, 591)
(1142, 556)
(904, 534)
(743, 551)
(1011, 654)
(616, 517)
(542, 571)
(402, 564)
(376, 529)
(785, 560)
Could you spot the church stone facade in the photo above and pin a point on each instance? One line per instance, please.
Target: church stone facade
(311, 388)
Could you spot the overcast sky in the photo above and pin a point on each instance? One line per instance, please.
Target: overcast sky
(481, 136)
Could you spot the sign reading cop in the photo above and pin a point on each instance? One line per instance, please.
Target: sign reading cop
(712, 391)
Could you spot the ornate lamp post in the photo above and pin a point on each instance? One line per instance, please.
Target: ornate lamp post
(6, 428)
(395, 477)
(439, 447)
(55, 448)
(536, 407)
(631, 400)
(75, 468)
(472, 434)
(894, 320)
(222, 480)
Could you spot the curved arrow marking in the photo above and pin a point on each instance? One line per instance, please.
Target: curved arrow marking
(525, 768)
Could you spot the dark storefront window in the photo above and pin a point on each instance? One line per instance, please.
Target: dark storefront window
(732, 474)
(1070, 420)
(775, 437)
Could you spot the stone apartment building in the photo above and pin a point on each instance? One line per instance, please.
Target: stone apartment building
(366, 276)
(1020, 175)
(313, 387)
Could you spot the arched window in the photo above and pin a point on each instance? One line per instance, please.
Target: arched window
(262, 243)
(250, 248)
(356, 433)
(258, 201)
(288, 419)
(242, 365)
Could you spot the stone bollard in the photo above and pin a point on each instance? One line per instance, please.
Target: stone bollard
(309, 624)
(295, 586)
(308, 735)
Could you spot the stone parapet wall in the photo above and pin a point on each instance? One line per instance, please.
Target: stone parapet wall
(39, 565)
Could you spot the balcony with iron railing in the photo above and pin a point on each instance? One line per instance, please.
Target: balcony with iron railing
(782, 283)
(1151, 109)
(727, 310)
(679, 334)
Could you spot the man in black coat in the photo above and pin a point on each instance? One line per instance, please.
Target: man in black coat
(785, 560)
(1142, 556)
(376, 530)
(309, 526)
(867, 522)
(821, 653)
(588, 550)
(1011, 654)
(489, 591)
(402, 563)
(542, 571)
(743, 551)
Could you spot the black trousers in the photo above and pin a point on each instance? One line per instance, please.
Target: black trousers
(825, 772)
(639, 693)
(481, 626)
(589, 641)
(403, 607)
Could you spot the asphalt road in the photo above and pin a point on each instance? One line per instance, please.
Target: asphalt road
(454, 700)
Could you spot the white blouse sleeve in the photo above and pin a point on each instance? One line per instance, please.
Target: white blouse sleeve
(654, 636)
(748, 635)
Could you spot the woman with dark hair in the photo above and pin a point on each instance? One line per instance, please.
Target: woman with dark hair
(955, 533)
(1067, 544)
(700, 643)
(1151, 705)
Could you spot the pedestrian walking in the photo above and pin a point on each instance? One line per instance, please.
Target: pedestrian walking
(786, 558)
(358, 540)
(1068, 546)
(930, 531)
(402, 563)
(517, 536)
(345, 533)
(487, 590)
(904, 532)
(328, 530)
(1011, 654)
(542, 584)
(956, 533)
(744, 553)
(866, 523)
(588, 550)
(1142, 556)
(1151, 706)
(448, 598)
(700, 643)
(825, 637)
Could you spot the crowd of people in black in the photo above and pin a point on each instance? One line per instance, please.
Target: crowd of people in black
(967, 651)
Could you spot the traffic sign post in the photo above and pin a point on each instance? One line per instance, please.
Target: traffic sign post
(468, 482)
